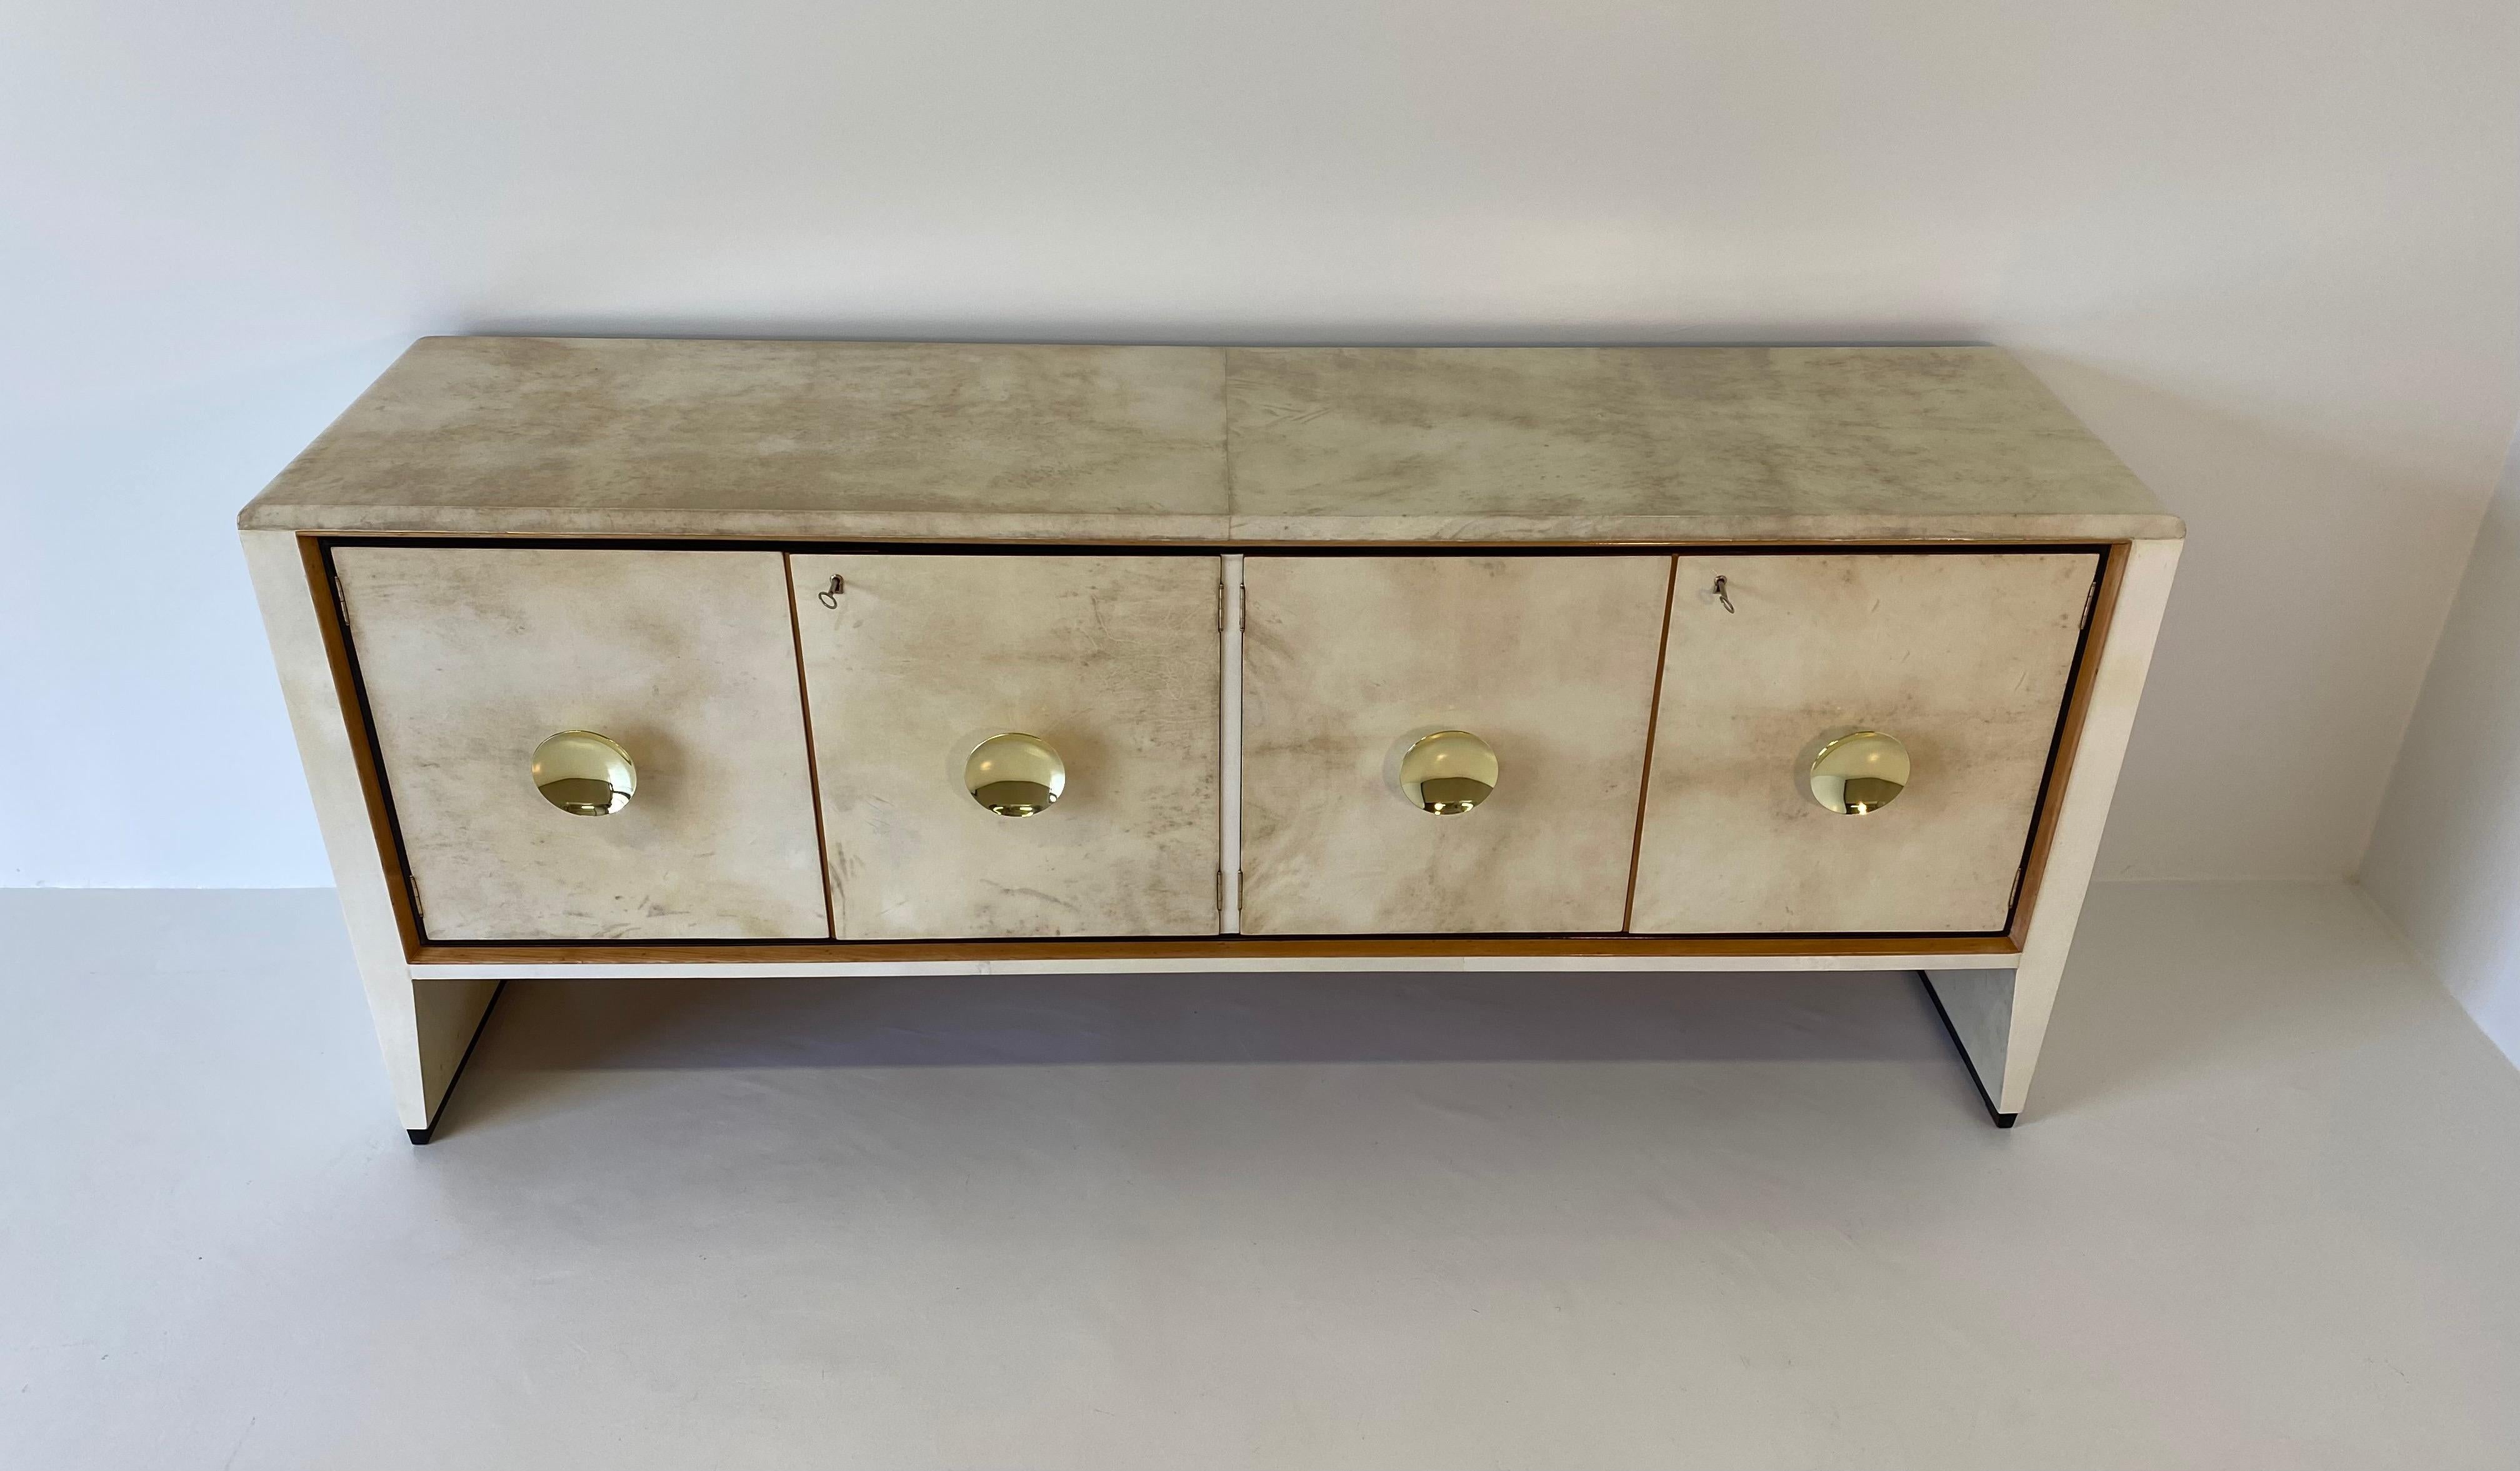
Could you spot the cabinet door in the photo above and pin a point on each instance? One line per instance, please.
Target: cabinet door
(1347, 659)
(1113, 661)
(472, 656)
(1962, 657)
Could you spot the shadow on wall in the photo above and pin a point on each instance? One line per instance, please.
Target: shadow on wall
(1179, 331)
(2445, 862)
(2311, 583)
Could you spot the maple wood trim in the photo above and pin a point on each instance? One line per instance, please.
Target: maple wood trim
(812, 952)
(313, 553)
(812, 761)
(1653, 721)
(2069, 738)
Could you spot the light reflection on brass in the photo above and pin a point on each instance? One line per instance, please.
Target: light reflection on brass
(1854, 772)
(1447, 772)
(1015, 775)
(583, 774)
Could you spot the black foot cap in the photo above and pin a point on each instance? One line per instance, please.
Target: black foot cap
(424, 1135)
(2002, 1120)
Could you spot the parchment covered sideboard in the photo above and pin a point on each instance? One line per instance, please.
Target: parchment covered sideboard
(613, 657)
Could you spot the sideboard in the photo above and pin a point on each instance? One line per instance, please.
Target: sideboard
(619, 658)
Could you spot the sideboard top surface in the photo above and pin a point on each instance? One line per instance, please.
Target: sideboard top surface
(471, 437)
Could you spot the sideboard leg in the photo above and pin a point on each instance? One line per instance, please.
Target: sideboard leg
(450, 1017)
(1998, 1019)
(425, 1028)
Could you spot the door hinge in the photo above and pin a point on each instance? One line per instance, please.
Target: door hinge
(2090, 599)
(342, 603)
(1220, 606)
(419, 909)
(1219, 891)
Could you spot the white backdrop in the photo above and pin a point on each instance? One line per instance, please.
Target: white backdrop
(2268, 250)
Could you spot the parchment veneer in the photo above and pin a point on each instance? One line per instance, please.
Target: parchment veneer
(470, 656)
(1113, 660)
(1549, 659)
(961, 442)
(1963, 656)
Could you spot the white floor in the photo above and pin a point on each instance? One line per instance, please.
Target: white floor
(2264, 1211)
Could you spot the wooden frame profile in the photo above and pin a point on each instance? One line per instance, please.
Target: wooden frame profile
(813, 768)
(332, 619)
(1332, 946)
(2069, 738)
(418, 950)
(1653, 725)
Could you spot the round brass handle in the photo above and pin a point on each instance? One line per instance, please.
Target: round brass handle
(1015, 775)
(1447, 772)
(583, 774)
(1854, 772)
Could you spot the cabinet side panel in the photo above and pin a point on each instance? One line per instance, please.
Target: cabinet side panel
(286, 586)
(2125, 661)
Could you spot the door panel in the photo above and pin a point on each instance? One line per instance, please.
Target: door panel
(1964, 657)
(470, 656)
(1112, 661)
(1549, 659)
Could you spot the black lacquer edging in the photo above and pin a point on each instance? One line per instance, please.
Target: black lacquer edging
(424, 1135)
(1968, 1064)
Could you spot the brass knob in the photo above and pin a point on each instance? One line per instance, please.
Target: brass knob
(1854, 772)
(1447, 772)
(583, 774)
(1015, 775)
